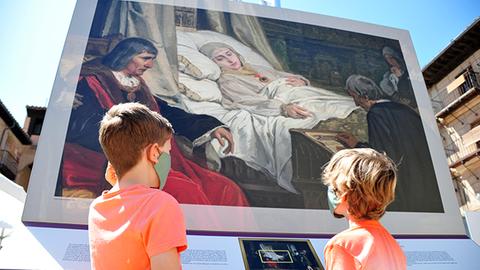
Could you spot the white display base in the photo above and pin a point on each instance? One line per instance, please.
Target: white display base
(440, 254)
(473, 224)
(28, 247)
(212, 253)
(68, 249)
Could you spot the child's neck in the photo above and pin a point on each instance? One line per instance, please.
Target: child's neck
(353, 222)
(140, 174)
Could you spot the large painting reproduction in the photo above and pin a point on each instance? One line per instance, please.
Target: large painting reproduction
(258, 102)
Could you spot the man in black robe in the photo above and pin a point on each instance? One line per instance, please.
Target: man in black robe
(397, 130)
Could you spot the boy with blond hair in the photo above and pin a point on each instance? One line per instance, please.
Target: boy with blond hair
(135, 225)
(361, 184)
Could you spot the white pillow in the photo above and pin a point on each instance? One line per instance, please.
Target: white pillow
(185, 40)
(199, 90)
(195, 64)
(202, 37)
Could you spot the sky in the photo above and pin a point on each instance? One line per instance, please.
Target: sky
(33, 33)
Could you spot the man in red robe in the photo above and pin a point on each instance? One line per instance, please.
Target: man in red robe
(117, 78)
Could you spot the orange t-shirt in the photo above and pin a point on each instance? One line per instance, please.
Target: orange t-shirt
(128, 226)
(365, 245)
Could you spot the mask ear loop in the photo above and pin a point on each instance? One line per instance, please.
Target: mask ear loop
(337, 192)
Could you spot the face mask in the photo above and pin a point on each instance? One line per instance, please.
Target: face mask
(333, 201)
(162, 168)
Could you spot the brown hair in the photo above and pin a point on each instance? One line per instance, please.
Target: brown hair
(367, 177)
(126, 129)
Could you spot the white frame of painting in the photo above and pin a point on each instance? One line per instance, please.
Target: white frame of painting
(42, 207)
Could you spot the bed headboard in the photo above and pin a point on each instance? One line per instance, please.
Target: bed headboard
(186, 18)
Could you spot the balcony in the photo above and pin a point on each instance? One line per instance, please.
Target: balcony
(458, 153)
(463, 89)
(8, 164)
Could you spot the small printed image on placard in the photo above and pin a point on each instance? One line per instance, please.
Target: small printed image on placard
(262, 254)
(277, 256)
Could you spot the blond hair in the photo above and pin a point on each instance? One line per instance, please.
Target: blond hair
(367, 177)
(126, 129)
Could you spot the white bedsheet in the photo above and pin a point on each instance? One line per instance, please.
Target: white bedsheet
(264, 142)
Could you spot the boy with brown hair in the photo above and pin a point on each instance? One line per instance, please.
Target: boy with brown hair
(361, 184)
(135, 225)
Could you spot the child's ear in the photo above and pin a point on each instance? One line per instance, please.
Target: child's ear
(152, 152)
(111, 175)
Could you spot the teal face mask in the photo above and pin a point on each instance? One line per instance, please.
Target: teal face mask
(162, 168)
(333, 201)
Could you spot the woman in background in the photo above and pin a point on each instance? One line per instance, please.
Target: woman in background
(275, 102)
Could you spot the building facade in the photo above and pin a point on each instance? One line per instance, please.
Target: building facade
(453, 83)
(32, 126)
(13, 143)
(18, 145)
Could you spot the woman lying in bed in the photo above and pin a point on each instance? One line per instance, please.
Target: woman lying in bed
(269, 92)
(263, 104)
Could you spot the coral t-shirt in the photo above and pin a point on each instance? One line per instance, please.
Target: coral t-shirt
(127, 227)
(365, 245)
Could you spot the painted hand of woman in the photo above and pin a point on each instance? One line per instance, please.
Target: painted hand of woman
(295, 111)
(295, 81)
